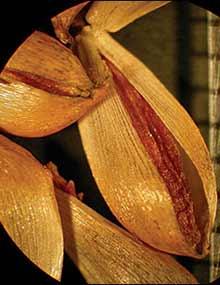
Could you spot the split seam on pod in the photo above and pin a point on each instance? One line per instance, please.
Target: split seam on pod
(138, 195)
(131, 177)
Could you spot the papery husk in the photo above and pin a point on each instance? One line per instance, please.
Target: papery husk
(45, 63)
(62, 22)
(124, 172)
(107, 254)
(112, 16)
(31, 112)
(31, 106)
(28, 208)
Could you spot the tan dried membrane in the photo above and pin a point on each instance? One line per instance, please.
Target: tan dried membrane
(103, 252)
(106, 254)
(28, 206)
(46, 88)
(113, 147)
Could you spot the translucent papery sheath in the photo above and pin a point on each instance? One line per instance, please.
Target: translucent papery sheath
(44, 87)
(103, 252)
(28, 208)
(106, 254)
(149, 159)
(146, 154)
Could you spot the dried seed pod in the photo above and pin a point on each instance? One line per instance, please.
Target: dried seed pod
(28, 209)
(42, 62)
(44, 87)
(106, 254)
(164, 179)
(43, 74)
(32, 112)
(149, 159)
(102, 251)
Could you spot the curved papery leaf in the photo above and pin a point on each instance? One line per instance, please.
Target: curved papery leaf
(129, 177)
(43, 62)
(112, 16)
(44, 88)
(32, 112)
(106, 254)
(28, 209)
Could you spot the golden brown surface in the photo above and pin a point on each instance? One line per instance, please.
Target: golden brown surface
(31, 112)
(50, 65)
(112, 16)
(106, 254)
(28, 206)
(62, 22)
(127, 178)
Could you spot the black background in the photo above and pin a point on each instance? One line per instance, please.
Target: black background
(17, 21)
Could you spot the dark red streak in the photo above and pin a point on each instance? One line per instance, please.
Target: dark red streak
(3, 81)
(37, 81)
(162, 149)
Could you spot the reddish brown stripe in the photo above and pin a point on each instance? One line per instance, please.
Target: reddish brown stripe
(162, 149)
(3, 81)
(38, 81)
